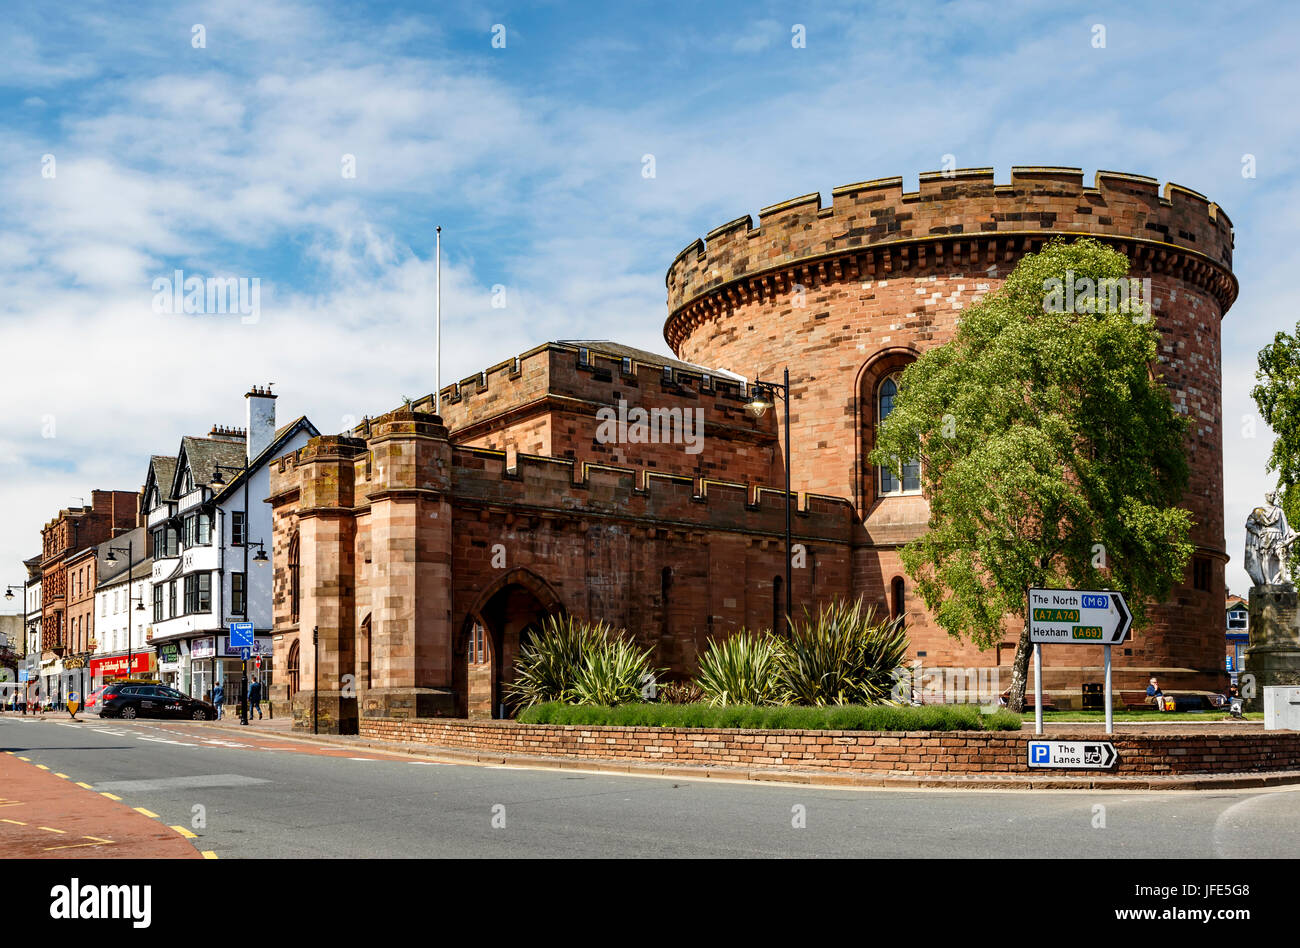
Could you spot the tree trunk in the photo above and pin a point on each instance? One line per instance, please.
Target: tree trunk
(1020, 672)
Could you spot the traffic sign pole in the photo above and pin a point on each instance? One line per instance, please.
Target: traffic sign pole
(1038, 688)
(1110, 714)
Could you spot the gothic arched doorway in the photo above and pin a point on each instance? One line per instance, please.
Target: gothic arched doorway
(506, 613)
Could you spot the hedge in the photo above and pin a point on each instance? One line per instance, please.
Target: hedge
(941, 717)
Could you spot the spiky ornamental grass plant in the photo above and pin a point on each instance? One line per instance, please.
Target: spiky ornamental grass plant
(741, 669)
(580, 662)
(612, 672)
(843, 655)
(549, 660)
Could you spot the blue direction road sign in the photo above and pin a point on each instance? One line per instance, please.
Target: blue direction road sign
(245, 652)
(241, 635)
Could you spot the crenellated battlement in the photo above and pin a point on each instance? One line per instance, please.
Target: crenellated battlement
(560, 485)
(570, 371)
(962, 204)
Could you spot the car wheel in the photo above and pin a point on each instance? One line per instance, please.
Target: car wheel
(129, 712)
(200, 714)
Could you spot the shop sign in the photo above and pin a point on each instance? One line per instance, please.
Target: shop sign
(203, 648)
(140, 663)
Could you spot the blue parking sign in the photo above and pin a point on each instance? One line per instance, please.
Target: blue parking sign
(1040, 752)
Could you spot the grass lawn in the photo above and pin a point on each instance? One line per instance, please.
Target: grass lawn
(1150, 717)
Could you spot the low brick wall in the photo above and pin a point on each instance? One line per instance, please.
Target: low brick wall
(1217, 750)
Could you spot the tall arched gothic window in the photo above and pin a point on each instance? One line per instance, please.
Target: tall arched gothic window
(887, 481)
(294, 591)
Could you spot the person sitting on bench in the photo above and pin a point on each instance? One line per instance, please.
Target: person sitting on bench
(1154, 694)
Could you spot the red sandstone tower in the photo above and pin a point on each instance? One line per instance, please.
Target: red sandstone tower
(847, 295)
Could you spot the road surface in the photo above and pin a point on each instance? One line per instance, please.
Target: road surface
(266, 796)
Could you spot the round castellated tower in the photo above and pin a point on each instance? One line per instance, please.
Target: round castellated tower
(847, 295)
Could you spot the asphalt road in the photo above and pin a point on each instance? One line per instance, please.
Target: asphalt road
(264, 796)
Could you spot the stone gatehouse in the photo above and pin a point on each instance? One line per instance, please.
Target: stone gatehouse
(595, 479)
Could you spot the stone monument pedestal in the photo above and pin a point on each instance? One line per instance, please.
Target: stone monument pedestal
(1273, 657)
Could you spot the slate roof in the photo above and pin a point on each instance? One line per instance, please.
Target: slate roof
(107, 574)
(204, 454)
(164, 473)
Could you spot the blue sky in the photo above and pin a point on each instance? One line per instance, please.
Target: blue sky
(226, 160)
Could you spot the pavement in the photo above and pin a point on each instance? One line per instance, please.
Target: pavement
(256, 792)
(45, 814)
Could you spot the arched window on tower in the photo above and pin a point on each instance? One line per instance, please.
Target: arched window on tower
(291, 669)
(887, 481)
(294, 598)
(897, 598)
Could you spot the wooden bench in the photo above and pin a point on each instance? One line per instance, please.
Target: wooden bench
(1136, 701)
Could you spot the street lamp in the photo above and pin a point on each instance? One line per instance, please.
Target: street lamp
(260, 559)
(759, 403)
(9, 595)
(129, 550)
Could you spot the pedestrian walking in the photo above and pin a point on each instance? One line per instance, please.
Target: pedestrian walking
(255, 698)
(218, 695)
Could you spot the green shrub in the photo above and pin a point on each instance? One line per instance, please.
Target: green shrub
(741, 669)
(571, 660)
(679, 692)
(549, 660)
(842, 656)
(613, 671)
(935, 717)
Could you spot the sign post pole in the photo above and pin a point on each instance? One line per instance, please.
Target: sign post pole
(1110, 717)
(1038, 688)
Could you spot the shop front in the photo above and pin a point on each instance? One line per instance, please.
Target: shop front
(213, 660)
(174, 665)
(113, 667)
(204, 667)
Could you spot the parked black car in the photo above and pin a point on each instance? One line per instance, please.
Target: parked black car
(152, 701)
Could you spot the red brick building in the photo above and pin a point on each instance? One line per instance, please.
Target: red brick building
(68, 579)
(614, 484)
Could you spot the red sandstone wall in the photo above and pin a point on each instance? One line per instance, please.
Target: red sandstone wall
(905, 752)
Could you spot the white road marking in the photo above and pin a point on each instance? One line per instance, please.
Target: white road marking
(176, 783)
(1229, 842)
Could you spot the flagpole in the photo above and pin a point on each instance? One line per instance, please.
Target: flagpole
(437, 392)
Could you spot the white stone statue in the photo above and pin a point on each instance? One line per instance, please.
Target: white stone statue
(1268, 540)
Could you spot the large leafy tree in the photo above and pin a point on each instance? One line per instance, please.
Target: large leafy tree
(1051, 455)
(1278, 397)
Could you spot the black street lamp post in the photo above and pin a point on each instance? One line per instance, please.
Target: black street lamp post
(131, 599)
(9, 595)
(758, 404)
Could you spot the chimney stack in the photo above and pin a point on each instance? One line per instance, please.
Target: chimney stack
(261, 420)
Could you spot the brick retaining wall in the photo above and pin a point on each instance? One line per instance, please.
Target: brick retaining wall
(1225, 750)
